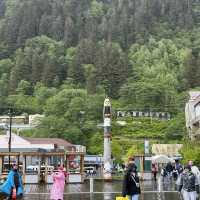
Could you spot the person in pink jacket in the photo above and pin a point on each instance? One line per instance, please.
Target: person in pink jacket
(57, 189)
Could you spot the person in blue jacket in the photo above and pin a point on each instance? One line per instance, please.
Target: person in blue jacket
(14, 180)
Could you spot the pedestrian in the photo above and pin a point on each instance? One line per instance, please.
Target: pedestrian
(154, 170)
(188, 184)
(169, 169)
(194, 170)
(57, 190)
(131, 184)
(13, 187)
(178, 167)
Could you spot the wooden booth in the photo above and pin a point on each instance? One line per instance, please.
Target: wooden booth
(38, 167)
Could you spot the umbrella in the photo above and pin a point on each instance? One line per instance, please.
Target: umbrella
(161, 159)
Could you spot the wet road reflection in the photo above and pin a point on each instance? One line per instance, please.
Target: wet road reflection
(104, 191)
(146, 196)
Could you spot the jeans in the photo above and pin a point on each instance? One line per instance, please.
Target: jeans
(134, 197)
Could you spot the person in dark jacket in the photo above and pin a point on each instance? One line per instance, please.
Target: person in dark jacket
(169, 168)
(131, 184)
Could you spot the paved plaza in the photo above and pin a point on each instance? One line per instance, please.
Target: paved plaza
(104, 191)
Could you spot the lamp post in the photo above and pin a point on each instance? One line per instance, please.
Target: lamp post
(10, 136)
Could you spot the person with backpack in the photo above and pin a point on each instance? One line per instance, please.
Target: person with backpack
(188, 184)
(131, 184)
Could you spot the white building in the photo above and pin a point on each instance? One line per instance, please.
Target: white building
(192, 115)
(36, 157)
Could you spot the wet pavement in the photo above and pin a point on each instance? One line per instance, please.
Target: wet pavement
(146, 196)
(104, 191)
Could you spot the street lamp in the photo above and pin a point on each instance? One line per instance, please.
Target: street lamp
(10, 136)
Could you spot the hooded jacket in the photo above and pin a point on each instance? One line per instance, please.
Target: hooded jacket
(9, 184)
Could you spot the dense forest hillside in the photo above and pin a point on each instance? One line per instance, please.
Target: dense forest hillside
(121, 21)
(62, 57)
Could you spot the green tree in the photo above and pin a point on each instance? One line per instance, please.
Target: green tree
(191, 72)
(117, 151)
(176, 128)
(24, 87)
(59, 104)
(42, 59)
(191, 151)
(96, 144)
(5, 66)
(112, 68)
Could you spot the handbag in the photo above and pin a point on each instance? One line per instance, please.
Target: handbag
(122, 198)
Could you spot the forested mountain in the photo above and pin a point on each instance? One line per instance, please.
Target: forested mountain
(144, 54)
(122, 21)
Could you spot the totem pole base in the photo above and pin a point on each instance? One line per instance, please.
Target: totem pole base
(107, 177)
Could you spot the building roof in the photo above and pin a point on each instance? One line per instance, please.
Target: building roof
(55, 141)
(19, 144)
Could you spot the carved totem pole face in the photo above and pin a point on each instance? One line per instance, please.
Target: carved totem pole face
(107, 102)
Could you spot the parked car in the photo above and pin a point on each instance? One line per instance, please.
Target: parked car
(90, 170)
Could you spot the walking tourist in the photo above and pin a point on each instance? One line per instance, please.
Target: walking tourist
(57, 189)
(154, 170)
(131, 184)
(169, 169)
(194, 170)
(177, 169)
(188, 184)
(178, 166)
(12, 187)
